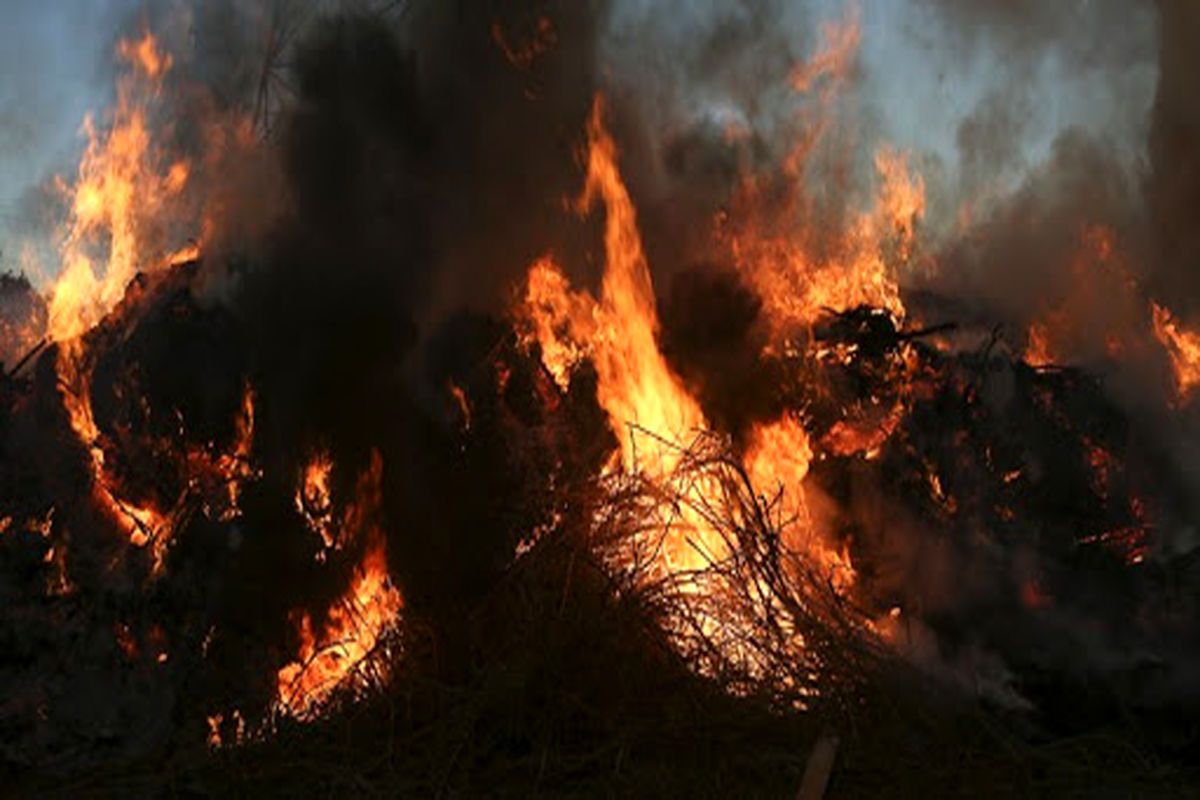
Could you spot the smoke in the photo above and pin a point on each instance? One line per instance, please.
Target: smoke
(1173, 187)
(400, 178)
(43, 99)
(1060, 182)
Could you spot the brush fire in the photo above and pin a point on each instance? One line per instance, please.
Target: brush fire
(610, 398)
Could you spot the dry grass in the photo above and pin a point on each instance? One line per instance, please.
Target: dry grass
(589, 677)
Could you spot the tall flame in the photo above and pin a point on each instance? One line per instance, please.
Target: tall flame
(636, 387)
(124, 184)
(122, 203)
(649, 409)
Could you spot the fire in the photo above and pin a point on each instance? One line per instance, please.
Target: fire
(331, 656)
(123, 202)
(234, 724)
(797, 270)
(826, 71)
(223, 474)
(554, 313)
(141, 525)
(636, 386)
(464, 405)
(1094, 319)
(119, 201)
(777, 460)
(117, 186)
(834, 59)
(798, 283)
(145, 55)
(313, 499)
(649, 409)
(1037, 347)
(1182, 345)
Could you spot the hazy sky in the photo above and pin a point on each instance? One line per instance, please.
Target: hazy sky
(919, 82)
(54, 59)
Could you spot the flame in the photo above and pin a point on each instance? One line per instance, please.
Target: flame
(862, 436)
(636, 387)
(141, 525)
(145, 55)
(777, 460)
(331, 656)
(826, 71)
(802, 269)
(227, 470)
(235, 724)
(461, 401)
(1182, 345)
(834, 59)
(117, 186)
(649, 409)
(1037, 346)
(125, 196)
(556, 317)
(1096, 317)
(118, 202)
(313, 499)
(798, 282)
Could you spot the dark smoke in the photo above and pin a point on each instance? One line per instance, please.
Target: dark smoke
(425, 171)
(1173, 188)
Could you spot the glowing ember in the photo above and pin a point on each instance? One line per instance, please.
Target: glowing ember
(464, 407)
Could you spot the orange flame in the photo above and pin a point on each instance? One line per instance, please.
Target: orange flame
(636, 387)
(118, 202)
(313, 499)
(331, 656)
(1183, 346)
(1099, 316)
(123, 198)
(799, 278)
(1037, 347)
(145, 55)
(833, 61)
(801, 269)
(651, 412)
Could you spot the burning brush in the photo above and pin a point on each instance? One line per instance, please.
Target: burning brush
(274, 475)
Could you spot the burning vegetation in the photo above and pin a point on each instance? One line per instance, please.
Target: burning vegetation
(348, 441)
